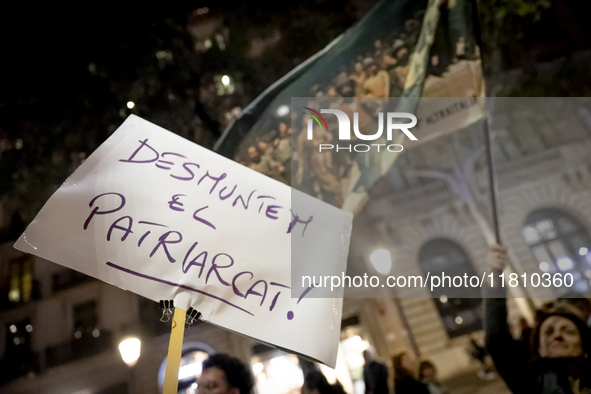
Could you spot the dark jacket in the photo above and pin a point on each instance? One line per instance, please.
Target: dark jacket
(375, 376)
(408, 385)
(542, 376)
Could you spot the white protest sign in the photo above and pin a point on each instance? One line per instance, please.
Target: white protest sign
(157, 215)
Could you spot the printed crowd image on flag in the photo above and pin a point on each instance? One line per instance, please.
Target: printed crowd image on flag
(400, 54)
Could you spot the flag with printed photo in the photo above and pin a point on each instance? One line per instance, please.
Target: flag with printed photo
(408, 49)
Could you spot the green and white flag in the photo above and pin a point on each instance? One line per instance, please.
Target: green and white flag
(411, 50)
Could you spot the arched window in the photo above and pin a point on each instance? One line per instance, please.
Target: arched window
(459, 307)
(561, 244)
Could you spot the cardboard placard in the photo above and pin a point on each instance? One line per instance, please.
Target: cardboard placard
(157, 215)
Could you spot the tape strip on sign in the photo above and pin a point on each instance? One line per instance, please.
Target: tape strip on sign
(155, 214)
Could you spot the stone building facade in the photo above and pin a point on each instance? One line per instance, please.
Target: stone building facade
(543, 167)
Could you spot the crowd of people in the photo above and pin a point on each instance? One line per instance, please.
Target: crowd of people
(223, 374)
(375, 72)
(271, 156)
(410, 377)
(550, 357)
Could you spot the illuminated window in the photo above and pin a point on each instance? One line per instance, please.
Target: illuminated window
(459, 307)
(20, 278)
(560, 244)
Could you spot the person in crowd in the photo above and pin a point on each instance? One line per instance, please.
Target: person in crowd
(378, 83)
(405, 381)
(428, 375)
(578, 301)
(480, 353)
(318, 166)
(359, 77)
(561, 343)
(261, 160)
(375, 374)
(223, 374)
(282, 150)
(338, 388)
(315, 383)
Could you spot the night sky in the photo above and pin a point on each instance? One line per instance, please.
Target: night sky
(68, 72)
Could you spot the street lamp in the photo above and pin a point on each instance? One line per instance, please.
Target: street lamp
(381, 261)
(130, 352)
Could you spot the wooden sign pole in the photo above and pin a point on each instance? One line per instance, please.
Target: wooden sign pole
(175, 350)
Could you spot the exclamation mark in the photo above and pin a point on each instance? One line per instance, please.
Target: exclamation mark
(290, 313)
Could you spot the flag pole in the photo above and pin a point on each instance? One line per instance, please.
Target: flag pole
(494, 200)
(492, 180)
